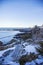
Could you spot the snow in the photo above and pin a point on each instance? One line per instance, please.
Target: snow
(30, 63)
(39, 60)
(30, 48)
(18, 50)
(1, 52)
(4, 34)
(12, 63)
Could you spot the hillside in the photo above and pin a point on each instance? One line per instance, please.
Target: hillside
(22, 46)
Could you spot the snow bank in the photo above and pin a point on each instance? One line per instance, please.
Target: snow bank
(4, 34)
(30, 48)
(1, 52)
(30, 63)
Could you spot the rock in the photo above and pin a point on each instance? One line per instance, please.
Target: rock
(1, 43)
(7, 53)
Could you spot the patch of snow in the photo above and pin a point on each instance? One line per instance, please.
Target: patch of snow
(4, 34)
(30, 48)
(30, 63)
(1, 52)
(18, 52)
(11, 63)
(38, 61)
(14, 63)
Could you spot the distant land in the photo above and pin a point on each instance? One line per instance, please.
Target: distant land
(15, 29)
(19, 29)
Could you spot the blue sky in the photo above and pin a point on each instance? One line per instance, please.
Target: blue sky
(21, 13)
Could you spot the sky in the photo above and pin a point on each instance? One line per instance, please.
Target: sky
(21, 13)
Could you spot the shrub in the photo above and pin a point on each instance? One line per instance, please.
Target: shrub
(24, 36)
(27, 58)
(40, 49)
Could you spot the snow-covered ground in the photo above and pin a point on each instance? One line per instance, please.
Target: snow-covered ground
(6, 36)
(1, 52)
(30, 48)
(18, 50)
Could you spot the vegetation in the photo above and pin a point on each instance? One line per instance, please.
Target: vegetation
(11, 41)
(25, 36)
(7, 53)
(27, 58)
(40, 49)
